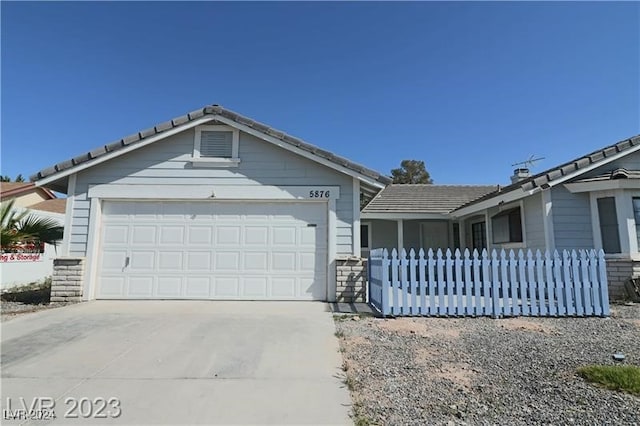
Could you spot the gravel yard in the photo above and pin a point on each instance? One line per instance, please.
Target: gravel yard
(477, 371)
(10, 310)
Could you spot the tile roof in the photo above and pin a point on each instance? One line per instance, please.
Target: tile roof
(555, 173)
(613, 175)
(215, 110)
(12, 189)
(55, 205)
(425, 198)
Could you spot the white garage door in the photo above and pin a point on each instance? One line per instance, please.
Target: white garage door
(213, 250)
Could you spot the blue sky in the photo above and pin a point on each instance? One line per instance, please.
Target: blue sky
(470, 88)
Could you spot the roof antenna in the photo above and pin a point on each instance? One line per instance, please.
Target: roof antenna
(528, 163)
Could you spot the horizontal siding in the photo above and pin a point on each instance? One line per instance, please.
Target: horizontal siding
(571, 219)
(167, 162)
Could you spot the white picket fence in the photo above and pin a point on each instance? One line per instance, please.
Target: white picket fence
(571, 283)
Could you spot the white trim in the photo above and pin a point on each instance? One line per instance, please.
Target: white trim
(135, 145)
(356, 218)
(332, 251)
(547, 221)
(202, 162)
(595, 221)
(407, 216)
(604, 185)
(213, 192)
(400, 232)
(68, 214)
(93, 248)
(301, 152)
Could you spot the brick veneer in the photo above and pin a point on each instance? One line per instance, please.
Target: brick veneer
(351, 280)
(619, 272)
(66, 282)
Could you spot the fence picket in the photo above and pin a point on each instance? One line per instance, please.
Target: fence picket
(395, 285)
(440, 276)
(486, 284)
(423, 283)
(432, 283)
(540, 283)
(586, 283)
(477, 284)
(458, 290)
(577, 284)
(414, 282)
(467, 283)
(404, 282)
(602, 285)
(513, 280)
(464, 284)
(593, 277)
(495, 291)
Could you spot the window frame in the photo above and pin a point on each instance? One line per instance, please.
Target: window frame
(198, 161)
(506, 215)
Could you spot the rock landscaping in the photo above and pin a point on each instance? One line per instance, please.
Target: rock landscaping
(482, 371)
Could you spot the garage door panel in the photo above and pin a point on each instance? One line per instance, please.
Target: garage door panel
(116, 234)
(200, 235)
(172, 235)
(114, 260)
(227, 287)
(197, 287)
(256, 261)
(283, 287)
(141, 286)
(112, 286)
(213, 250)
(228, 235)
(282, 261)
(255, 287)
(170, 261)
(284, 236)
(144, 235)
(169, 287)
(199, 261)
(258, 235)
(227, 261)
(141, 261)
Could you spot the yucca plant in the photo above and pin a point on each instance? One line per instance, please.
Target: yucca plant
(20, 227)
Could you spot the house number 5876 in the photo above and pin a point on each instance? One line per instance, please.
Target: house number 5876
(319, 194)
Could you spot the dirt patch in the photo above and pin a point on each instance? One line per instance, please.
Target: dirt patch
(460, 374)
(519, 324)
(432, 327)
(635, 322)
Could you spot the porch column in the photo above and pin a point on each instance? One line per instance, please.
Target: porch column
(462, 235)
(400, 223)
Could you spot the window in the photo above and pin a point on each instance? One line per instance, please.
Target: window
(636, 215)
(364, 236)
(507, 226)
(216, 145)
(456, 235)
(609, 224)
(478, 235)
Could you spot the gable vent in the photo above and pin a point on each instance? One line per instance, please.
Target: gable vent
(217, 144)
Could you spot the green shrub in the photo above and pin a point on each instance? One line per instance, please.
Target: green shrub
(624, 378)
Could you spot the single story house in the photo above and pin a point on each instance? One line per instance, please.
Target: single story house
(210, 205)
(31, 264)
(592, 202)
(24, 194)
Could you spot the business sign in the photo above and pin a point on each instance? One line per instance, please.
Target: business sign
(21, 257)
(24, 251)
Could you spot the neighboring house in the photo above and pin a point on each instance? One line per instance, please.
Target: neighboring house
(25, 194)
(23, 268)
(590, 202)
(210, 205)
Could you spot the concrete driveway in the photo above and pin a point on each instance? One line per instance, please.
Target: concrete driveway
(176, 362)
